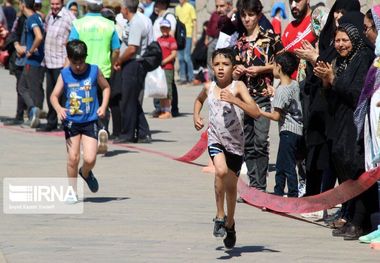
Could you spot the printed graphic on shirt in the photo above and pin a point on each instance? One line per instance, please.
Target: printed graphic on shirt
(75, 103)
(76, 100)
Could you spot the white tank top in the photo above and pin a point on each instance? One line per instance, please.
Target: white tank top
(225, 122)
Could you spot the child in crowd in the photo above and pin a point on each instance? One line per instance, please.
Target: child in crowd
(227, 101)
(79, 83)
(168, 46)
(288, 112)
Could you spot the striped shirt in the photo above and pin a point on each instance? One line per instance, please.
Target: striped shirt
(57, 34)
(287, 98)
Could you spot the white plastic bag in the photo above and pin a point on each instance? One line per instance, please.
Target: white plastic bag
(155, 84)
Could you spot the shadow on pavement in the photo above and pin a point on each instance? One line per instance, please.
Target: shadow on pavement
(238, 251)
(103, 199)
(117, 152)
(158, 131)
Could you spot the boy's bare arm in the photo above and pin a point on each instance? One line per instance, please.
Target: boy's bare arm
(243, 100)
(169, 58)
(275, 115)
(198, 104)
(38, 37)
(54, 98)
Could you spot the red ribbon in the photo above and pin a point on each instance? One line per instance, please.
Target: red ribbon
(197, 150)
(340, 194)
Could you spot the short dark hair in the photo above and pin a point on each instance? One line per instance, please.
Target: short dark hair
(131, 5)
(288, 62)
(226, 52)
(28, 4)
(76, 49)
(369, 15)
(249, 6)
(164, 3)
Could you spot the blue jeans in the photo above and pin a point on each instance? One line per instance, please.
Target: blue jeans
(185, 63)
(286, 164)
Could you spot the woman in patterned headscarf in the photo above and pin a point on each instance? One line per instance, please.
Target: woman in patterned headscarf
(342, 82)
(367, 113)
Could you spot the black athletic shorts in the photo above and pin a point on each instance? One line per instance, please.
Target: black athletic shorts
(89, 129)
(233, 161)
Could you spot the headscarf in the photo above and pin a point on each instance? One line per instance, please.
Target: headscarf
(371, 85)
(327, 33)
(357, 45)
(357, 19)
(319, 19)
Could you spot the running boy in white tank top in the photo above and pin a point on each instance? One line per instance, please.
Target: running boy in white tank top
(227, 100)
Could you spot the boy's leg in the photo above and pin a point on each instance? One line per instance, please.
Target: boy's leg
(73, 157)
(221, 172)
(90, 148)
(230, 186)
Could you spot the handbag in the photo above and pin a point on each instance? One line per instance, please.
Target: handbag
(155, 84)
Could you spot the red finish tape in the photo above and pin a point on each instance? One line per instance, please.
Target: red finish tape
(197, 150)
(340, 194)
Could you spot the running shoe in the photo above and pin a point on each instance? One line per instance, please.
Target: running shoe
(91, 181)
(230, 240)
(102, 141)
(219, 227)
(34, 117)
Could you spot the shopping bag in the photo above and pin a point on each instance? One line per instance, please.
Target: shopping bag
(155, 84)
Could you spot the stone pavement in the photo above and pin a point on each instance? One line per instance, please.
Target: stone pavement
(149, 208)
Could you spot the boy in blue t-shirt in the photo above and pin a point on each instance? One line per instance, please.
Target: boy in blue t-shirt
(31, 80)
(288, 112)
(78, 83)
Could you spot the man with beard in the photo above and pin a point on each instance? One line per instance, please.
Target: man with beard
(298, 30)
(58, 26)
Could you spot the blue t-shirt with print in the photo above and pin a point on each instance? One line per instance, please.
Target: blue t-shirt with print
(38, 55)
(81, 96)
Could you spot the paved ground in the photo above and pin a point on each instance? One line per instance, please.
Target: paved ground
(149, 208)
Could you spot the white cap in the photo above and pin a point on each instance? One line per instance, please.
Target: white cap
(37, 1)
(98, 2)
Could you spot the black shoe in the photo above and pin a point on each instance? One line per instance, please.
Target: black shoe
(13, 122)
(339, 232)
(230, 240)
(121, 140)
(175, 113)
(91, 181)
(240, 200)
(219, 227)
(145, 139)
(353, 232)
(114, 137)
(46, 129)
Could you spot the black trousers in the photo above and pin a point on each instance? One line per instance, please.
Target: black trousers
(21, 106)
(114, 104)
(256, 149)
(30, 86)
(133, 121)
(51, 78)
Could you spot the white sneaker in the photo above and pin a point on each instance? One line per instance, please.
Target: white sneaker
(102, 141)
(301, 189)
(315, 215)
(71, 200)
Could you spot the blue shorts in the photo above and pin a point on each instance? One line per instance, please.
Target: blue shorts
(89, 129)
(233, 161)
